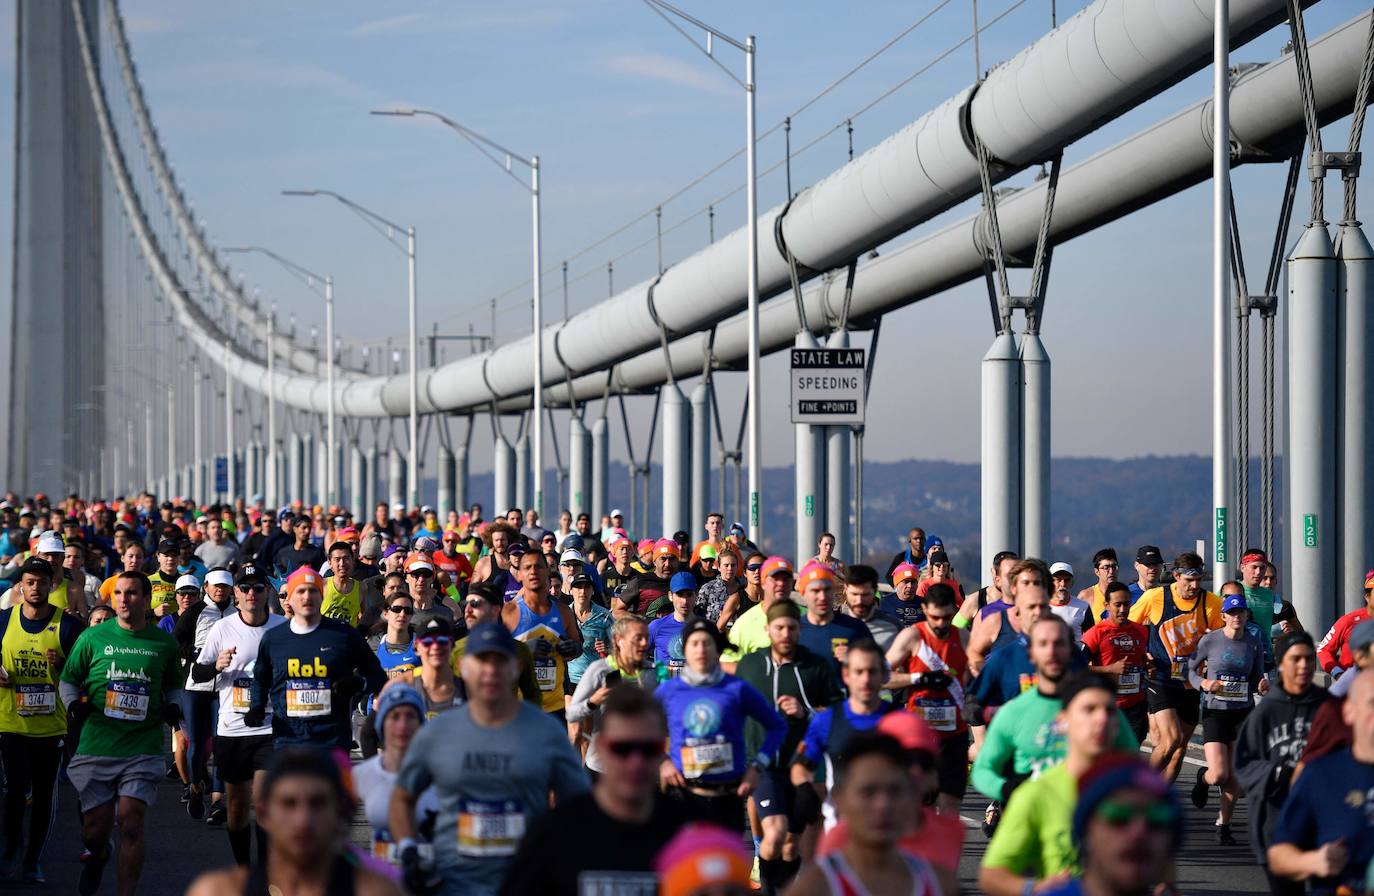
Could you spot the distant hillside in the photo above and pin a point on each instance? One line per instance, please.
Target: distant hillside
(1096, 502)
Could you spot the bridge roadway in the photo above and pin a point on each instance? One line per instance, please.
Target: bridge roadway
(179, 849)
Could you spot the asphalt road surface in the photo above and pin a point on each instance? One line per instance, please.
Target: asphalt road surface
(178, 848)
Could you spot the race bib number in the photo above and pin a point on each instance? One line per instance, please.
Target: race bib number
(35, 699)
(239, 694)
(307, 698)
(1129, 682)
(546, 673)
(1178, 668)
(127, 701)
(939, 714)
(699, 760)
(488, 828)
(1234, 689)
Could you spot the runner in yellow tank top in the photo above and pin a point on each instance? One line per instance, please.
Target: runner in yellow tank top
(342, 592)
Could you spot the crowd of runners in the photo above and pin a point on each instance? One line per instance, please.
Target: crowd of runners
(583, 710)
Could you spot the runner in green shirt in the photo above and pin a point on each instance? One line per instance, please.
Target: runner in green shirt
(1025, 730)
(124, 680)
(1033, 843)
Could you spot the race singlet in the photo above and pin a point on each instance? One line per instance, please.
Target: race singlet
(30, 706)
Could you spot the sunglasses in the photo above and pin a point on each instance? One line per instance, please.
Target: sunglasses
(1158, 816)
(754, 567)
(420, 573)
(475, 604)
(649, 749)
(432, 640)
(408, 611)
(252, 589)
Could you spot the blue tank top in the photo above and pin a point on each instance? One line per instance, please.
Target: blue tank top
(549, 667)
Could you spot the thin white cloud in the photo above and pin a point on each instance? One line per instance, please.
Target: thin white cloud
(147, 25)
(218, 75)
(702, 77)
(531, 19)
(381, 26)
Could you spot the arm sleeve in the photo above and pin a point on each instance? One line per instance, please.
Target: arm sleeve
(69, 693)
(997, 749)
(1328, 650)
(366, 662)
(592, 680)
(1198, 660)
(812, 746)
(758, 707)
(262, 675)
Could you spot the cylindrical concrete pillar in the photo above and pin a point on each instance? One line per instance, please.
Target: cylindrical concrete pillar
(460, 478)
(601, 458)
(809, 470)
(322, 472)
(838, 479)
(1312, 528)
(701, 457)
(372, 472)
(1355, 494)
(1035, 446)
(357, 494)
(677, 474)
(308, 457)
(1001, 448)
(522, 473)
(396, 478)
(296, 456)
(579, 467)
(503, 477)
(250, 470)
(443, 501)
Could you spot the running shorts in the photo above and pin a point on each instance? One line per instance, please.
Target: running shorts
(1183, 701)
(239, 757)
(1138, 718)
(1220, 726)
(101, 779)
(951, 766)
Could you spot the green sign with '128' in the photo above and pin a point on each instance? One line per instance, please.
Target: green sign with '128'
(1219, 533)
(1309, 530)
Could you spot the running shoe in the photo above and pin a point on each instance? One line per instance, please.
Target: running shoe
(195, 804)
(217, 814)
(89, 883)
(35, 875)
(991, 815)
(186, 793)
(1200, 789)
(1224, 835)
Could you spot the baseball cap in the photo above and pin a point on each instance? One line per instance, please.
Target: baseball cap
(666, 547)
(774, 565)
(1234, 602)
(426, 543)
(682, 581)
(737, 529)
(572, 557)
(188, 583)
(1362, 635)
(701, 856)
(616, 513)
(434, 625)
(1149, 555)
(303, 576)
(911, 731)
(580, 579)
(939, 556)
(37, 566)
(426, 509)
(218, 577)
(394, 696)
(1061, 566)
(903, 572)
(517, 549)
(51, 544)
(491, 637)
(707, 552)
(249, 574)
(418, 562)
(168, 546)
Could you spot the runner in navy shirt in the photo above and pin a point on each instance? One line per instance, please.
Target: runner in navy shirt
(823, 631)
(665, 633)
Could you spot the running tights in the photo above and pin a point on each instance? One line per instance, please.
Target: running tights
(31, 763)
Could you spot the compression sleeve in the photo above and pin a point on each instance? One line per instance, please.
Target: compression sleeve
(993, 757)
(758, 707)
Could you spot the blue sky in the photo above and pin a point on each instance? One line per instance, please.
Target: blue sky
(254, 97)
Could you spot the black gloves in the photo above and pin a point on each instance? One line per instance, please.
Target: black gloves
(347, 687)
(541, 648)
(568, 648)
(806, 806)
(171, 715)
(935, 681)
(78, 711)
(255, 717)
(418, 875)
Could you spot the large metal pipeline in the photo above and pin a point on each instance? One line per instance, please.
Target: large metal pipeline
(1111, 56)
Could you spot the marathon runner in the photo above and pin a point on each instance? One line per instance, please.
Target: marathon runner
(707, 708)
(1333, 652)
(1116, 646)
(989, 595)
(198, 696)
(618, 570)
(302, 551)
(799, 683)
(624, 664)
(1105, 567)
(129, 673)
(308, 672)
(647, 587)
(665, 633)
(395, 647)
(742, 600)
(1063, 604)
(823, 631)
(492, 763)
(495, 565)
(1032, 844)
(1149, 571)
(861, 604)
(420, 582)
(1177, 617)
(1005, 622)
(342, 592)
(225, 661)
(928, 661)
(163, 580)
(606, 842)
(749, 631)
(435, 679)
(306, 809)
(594, 622)
(903, 604)
(1024, 733)
(873, 787)
(1227, 670)
(400, 712)
(548, 629)
(35, 640)
(484, 604)
(914, 552)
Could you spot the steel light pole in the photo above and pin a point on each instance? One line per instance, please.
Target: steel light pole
(1223, 480)
(486, 147)
(748, 47)
(326, 290)
(390, 230)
